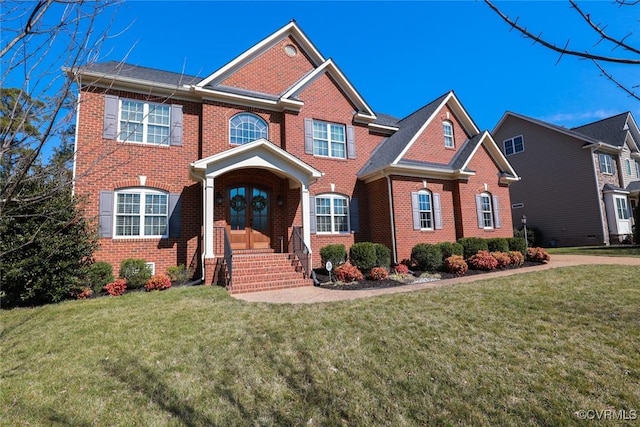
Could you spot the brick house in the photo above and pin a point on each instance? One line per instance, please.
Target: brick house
(579, 186)
(269, 159)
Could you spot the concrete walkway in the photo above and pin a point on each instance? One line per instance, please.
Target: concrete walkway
(312, 294)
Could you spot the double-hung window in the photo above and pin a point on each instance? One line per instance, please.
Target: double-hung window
(332, 214)
(447, 130)
(605, 163)
(513, 145)
(621, 208)
(425, 207)
(144, 122)
(329, 139)
(627, 163)
(141, 213)
(487, 211)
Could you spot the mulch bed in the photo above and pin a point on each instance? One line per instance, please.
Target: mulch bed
(325, 283)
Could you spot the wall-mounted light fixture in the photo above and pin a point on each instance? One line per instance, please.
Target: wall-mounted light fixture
(280, 200)
(219, 198)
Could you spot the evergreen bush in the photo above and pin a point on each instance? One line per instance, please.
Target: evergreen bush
(337, 254)
(135, 271)
(450, 248)
(427, 257)
(98, 275)
(498, 244)
(517, 244)
(473, 245)
(363, 255)
(383, 256)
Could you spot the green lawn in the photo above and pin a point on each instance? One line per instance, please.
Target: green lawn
(530, 349)
(627, 250)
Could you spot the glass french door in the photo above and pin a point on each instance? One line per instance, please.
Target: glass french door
(248, 218)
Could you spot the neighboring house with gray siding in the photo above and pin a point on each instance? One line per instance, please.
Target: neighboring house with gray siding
(578, 186)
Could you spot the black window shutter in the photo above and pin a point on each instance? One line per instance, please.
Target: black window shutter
(354, 216)
(175, 219)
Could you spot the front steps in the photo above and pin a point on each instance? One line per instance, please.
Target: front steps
(262, 271)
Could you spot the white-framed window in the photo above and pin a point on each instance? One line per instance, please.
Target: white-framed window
(447, 130)
(144, 122)
(627, 164)
(141, 213)
(513, 145)
(425, 207)
(621, 208)
(605, 163)
(332, 214)
(247, 127)
(329, 139)
(487, 210)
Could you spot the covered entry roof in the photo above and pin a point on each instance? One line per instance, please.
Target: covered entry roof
(261, 154)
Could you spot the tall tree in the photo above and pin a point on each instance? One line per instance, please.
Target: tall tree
(44, 238)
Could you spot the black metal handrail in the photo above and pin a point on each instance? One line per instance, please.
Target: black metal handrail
(228, 258)
(301, 251)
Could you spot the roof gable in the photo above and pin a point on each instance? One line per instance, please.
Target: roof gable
(290, 30)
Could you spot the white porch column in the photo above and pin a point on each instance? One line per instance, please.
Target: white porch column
(209, 201)
(306, 220)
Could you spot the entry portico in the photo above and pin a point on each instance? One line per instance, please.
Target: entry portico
(244, 203)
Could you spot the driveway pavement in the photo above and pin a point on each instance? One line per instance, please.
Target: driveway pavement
(312, 294)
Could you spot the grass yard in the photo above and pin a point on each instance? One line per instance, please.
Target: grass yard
(530, 349)
(626, 250)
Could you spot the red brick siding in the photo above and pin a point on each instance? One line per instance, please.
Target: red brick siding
(110, 165)
(429, 145)
(273, 71)
(486, 172)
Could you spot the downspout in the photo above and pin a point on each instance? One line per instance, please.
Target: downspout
(393, 222)
(203, 181)
(75, 145)
(605, 235)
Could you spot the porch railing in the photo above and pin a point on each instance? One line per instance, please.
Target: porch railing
(301, 251)
(221, 233)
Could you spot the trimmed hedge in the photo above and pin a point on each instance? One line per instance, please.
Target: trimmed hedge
(517, 244)
(450, 248)
(363, 255)
(98, 275)
(337, 254)
(383, 256)
(473, 245)
(135, 271)
(427, 257)
(498, 244)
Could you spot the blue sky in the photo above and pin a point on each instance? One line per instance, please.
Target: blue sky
(402, 55)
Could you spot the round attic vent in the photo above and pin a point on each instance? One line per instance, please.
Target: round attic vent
(290, 50)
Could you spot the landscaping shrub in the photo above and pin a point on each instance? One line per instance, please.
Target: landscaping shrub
(85, 293)
(427, 257)
(378, 273)
(135, 271)
(363, 255)
(348, 273)
(517, 259)
(538, 255)
(178, 274)
(473, 245)
(159, 282)
(450, 248)
(498, 244)
(98, 275)
(116, 288)
(383, 255)
(455, 264)
(504, 260)
(401, 269)
(483, 260)
(517, 244)
(337, 254)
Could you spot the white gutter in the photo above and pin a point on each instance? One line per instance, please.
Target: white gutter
(393, 222)
(203, 180)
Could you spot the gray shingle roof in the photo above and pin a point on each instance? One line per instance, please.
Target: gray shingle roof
(390, 148)
(386, 120)
(633, 186)
(151, 75)
(610, 130)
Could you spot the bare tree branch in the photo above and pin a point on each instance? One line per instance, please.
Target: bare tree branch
(616, 82)
(562, 50)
